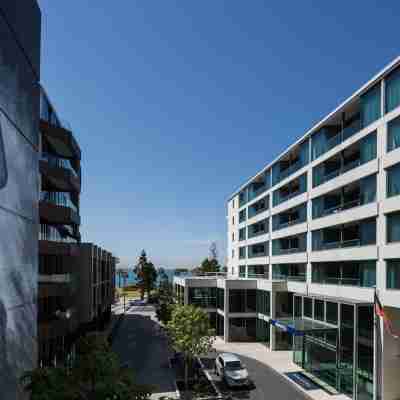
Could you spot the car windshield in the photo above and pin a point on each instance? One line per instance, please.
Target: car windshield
(233, 365)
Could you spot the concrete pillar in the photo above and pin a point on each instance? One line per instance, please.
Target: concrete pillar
(226, 313)
(186, 295)
(272, 345)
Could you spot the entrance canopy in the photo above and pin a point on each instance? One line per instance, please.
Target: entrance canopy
(301, 326)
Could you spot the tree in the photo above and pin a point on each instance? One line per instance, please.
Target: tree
(146, 274)
(209, 264)
(96, 373)
(164, 312)
(190, 332)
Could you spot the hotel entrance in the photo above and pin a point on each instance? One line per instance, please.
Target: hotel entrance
(332, 342)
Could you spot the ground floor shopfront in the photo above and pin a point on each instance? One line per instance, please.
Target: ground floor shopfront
(331, 339)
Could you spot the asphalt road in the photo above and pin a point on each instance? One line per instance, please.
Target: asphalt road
(139, 345)
(266, 383)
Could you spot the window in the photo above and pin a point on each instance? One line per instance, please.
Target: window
(257, 229)
(393, 227)
(258, 207)
(393, 141)
(331, 313)
(319, 310)
(233, 236)
(242, 271)
(393, 274)
(242, 234)
(371, 105)
(263, 302)
(233, 253)
(392, 89)
(258, 250)
(242, 252)
(243, 198)
(308, 307)
(242, 215)
(233, 220)
(3, 167)
(393, 180)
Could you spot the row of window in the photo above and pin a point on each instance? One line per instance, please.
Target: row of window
(346, 125)
(358, 233)
(346, 273)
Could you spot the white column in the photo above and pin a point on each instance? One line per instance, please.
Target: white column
(226, 313)
(272, 342)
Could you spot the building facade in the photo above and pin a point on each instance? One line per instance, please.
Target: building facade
(96, 286)
(59, 236)
(19, 118)
(76, 280)
(310, 239)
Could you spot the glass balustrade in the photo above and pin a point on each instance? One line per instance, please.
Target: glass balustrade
(58, 162)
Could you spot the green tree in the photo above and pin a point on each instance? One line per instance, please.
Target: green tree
(209, 264)
(164, 312)
(96, 374)
(146, 274)
(190, 333)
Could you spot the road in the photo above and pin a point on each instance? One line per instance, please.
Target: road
(140, 345)
(266, 383)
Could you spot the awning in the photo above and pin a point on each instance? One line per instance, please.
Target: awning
(302, 326)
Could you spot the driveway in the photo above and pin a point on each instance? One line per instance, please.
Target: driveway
(266, 383)
(140, 345)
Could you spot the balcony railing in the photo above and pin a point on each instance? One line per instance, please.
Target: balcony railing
(58, 162)
(210, 302)
(257, 276)
(284, 277)
(290, 250)
(341, 207)
(339, 244)
(60, 199)
(351, 165)
(288, 171)
(339, 281)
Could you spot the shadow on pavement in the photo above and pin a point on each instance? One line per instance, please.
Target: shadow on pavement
(142, 346)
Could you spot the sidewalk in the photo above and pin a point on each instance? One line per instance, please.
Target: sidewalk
(279, 361)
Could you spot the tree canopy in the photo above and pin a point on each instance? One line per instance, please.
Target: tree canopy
(146, 274)
(96, 373)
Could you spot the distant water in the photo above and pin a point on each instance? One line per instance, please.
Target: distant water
(132, 278)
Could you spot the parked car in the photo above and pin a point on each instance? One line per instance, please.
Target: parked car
(231, 369)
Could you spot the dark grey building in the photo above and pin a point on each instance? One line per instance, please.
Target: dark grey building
(20, 26)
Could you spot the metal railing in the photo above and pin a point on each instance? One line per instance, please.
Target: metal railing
(341, 207)
(339, 244)
(284, 277)
(338, 281)
(58, 162)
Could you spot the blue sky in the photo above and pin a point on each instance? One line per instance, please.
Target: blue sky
(177, 103)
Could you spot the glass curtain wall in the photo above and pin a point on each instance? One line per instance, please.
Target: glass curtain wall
(203, 297)
(289, 272)
(365, 344)
(290, 217)
(263, 331)
(257, 271)
(393, 274)
(242, 330)
(393, 180)
(371, 105)
(258, 228)
(258, 207)
(263, 302)
(292, 189)
(393, 134)
(392, 89)
(242, 301)
(346, 362)
(393, 227)
(220, 298)
(258, 250)
(289, 245)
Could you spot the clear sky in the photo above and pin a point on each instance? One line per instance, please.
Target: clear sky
(177, 103)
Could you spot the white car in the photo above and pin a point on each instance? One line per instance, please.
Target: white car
(231, 369)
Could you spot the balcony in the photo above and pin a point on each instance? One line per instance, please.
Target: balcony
(290, 190)
(47, 247)
(350, 158)
(289, 245)
(258, 250)
(289, 218)
(57, 214)
(291, 162)
(258, 207)
(59, 175)
(61, 139)
(257, 229)
(349, 273)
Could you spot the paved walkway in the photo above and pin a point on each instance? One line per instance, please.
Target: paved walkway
(278, 361)
(143, 348)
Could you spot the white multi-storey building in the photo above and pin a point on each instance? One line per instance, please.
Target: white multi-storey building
(310, 239)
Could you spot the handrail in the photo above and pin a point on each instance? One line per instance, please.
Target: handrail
(298, 278)
(341, 207)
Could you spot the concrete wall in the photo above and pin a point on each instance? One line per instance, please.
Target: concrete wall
(19, 112)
